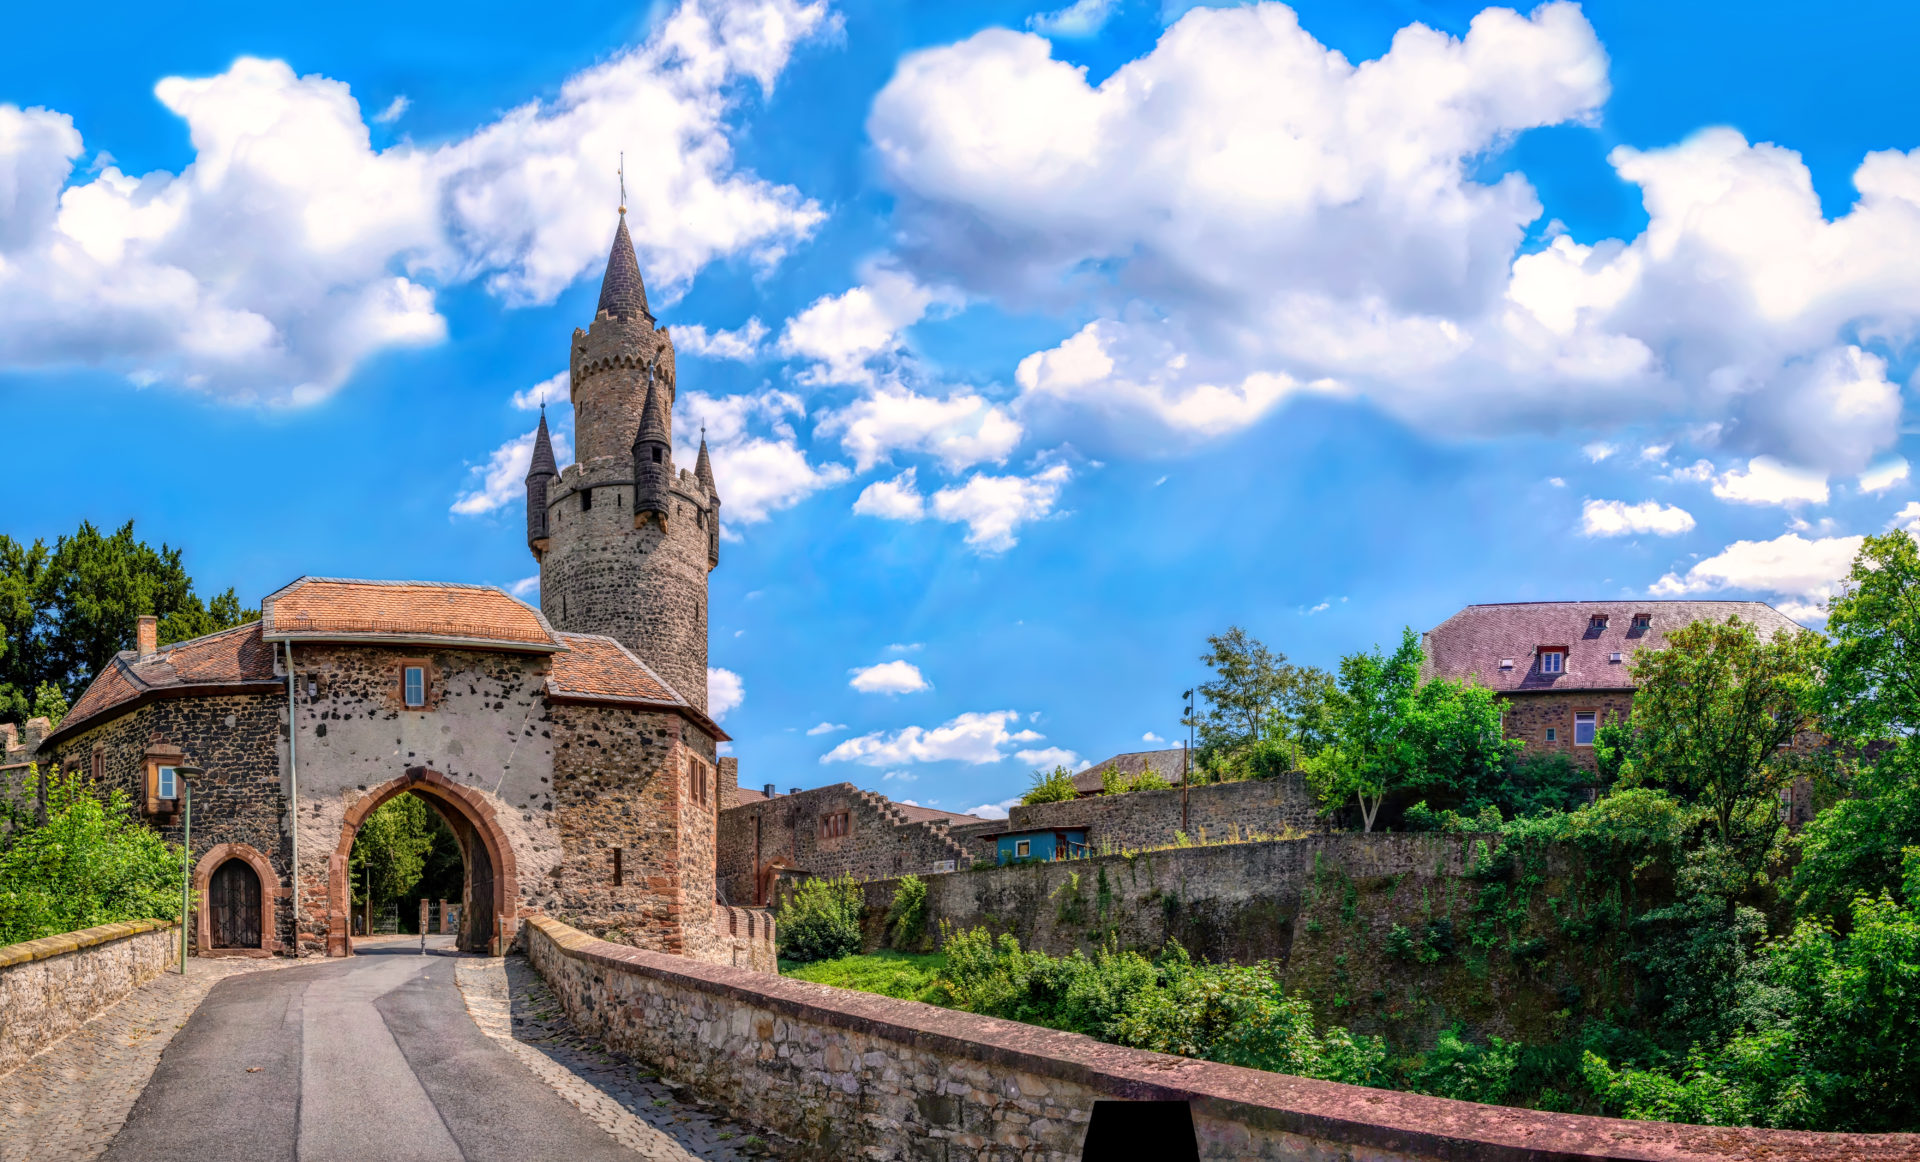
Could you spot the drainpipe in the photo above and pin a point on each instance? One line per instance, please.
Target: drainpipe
(293, 784)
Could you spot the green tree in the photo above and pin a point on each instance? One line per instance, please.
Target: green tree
(1257, 696)
(390, 850)
(1714, 717)
(1055, 786)
(820, 920)
(1372, 750)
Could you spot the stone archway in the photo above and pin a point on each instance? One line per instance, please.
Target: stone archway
(497, 885)
(271, 889)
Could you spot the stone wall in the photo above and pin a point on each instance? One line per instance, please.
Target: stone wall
(1530, 715)
(52, 986)
(1139, 819)
(743, 937)
(22, 794)
(853, 1075)
(1323, 909)
(787, 832)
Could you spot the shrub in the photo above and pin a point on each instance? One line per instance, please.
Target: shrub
(1055, 786)
(907, 914)
(1455, 1067)
(820, 920)
(1114, 783)
(91, 863)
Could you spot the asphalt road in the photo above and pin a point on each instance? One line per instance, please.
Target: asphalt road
(366, 1059)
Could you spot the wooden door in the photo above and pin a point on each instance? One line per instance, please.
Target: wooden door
(233, 901)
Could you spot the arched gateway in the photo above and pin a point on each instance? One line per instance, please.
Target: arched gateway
(490, 902)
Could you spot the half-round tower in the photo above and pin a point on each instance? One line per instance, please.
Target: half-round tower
(541, 474)
(627, 550)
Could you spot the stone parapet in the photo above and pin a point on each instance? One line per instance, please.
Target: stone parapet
(1140, 819)
(743, 937)
(854, 1075)
(51, 986)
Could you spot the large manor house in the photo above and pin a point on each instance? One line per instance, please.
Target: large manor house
(569, 748)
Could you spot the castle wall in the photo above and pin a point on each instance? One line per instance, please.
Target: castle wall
(1139, 819)
(1529, 715)
(879, 841)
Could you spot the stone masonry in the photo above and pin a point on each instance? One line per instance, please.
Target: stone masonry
(1140, 819)
(790, 832)
(50, 987)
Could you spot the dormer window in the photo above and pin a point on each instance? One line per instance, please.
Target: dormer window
(1643, 621)
(1552, 661)
(1597, 622)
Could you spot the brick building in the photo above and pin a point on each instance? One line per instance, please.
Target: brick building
(1563, 666)
(568, 748)
(833, 831)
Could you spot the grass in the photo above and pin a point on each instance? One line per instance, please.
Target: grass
(909, 976)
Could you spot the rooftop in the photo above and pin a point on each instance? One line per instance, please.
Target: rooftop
(1499, 646)
(1168, 764)
(236, 659)
(596, 668)
(333, 609)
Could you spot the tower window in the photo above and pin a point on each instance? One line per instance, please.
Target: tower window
(413, 682)
(586, 499)
(656, 455)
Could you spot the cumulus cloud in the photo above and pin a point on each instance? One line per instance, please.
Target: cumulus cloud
(554, 390)
(1907, 518)
(502, 480)
(758, 464)
(993, 810)
(1048, 757)
(1082, 18)
(961, 430)
(842, 335)
(895, 677)
(1150, 736)
(994, 507)
(725, 692)
(826, 728)
(742, 344)
(396, 109)
(1245, 213)
(1768, 481)
(1617, 518)
(975, 737)
(895, 499)
(1805, 572)
(289, 249)
(1881, 477)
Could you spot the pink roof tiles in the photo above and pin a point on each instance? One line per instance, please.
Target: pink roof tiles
(431, 613)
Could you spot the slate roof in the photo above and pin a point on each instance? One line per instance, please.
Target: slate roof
(332, 609)
(236, 660)
(1473, 642)
(1165, 763)
(622, 294)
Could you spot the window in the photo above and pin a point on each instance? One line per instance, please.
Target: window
(1597, 622)
(1551, 661)
(1643, 621)
(586, 499)
(1616, 657)
(414, 686)
(166, 786)
(833, 825)
(697, 779)
(313, 687)
(617, 869)
(97, 767)
(1553, 734)
(1506, 663)
(656, 455)
(1022, 847)
(1583, 723)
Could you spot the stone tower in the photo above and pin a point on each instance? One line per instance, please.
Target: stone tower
(626, 539)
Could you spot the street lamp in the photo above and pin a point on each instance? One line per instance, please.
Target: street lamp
(186, 775)
(1186, 760)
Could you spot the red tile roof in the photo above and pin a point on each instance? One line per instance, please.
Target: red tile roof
(430, 613)
(1474, 642)
(231, 660)
(595, 668)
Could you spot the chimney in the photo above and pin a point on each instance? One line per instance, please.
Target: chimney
(769, 790)
(795, 791)
(147, 639)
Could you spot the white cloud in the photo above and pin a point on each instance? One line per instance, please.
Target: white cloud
(975, 737)
(758, 464)
(895, 499)
(527, 589)
(841, 335)
(725, 692)
(289, 249)
(961, 430)
(396, 109)
(1699, 472)
(1244, 210)
(1768, 481)
(554, 391)
(1080, 19)
(1150, 736)
(895, 677)
(1885, 475)
(1907, 518)
(1599, 450)
(1556, 482)
(1048, 757)
(1617, 518)
(900, 776)
(826, 728)
(906, 647)
(741, 344)
(993, 810)
(502, 480)
(994, 507)
(1803, 571)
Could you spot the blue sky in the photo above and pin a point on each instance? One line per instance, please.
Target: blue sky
(1036, 343)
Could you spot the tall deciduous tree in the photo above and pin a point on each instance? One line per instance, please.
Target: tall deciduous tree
(1372, 751)
(1258, 697)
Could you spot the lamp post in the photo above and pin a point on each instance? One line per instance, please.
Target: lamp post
(1186, 761)
(186, 775)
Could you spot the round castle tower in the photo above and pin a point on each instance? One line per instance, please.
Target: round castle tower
(624, 539)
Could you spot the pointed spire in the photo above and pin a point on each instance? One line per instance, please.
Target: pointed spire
(653, 417)
(543, 463)
(703, 468)
(622, 294)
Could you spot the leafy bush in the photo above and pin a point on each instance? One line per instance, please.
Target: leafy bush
(820, 920)
(91, 863)
(907, 914)
(1055, 786)
(1455, 1067)
(1112, 782)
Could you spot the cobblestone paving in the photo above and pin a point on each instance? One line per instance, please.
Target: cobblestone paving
(653, 1117)
(66, 1104)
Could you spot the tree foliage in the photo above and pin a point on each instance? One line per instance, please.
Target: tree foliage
(92, 862)
(820, 920)
(1055, 786)
(1256, 696)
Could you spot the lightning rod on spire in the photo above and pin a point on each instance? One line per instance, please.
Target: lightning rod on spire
(623, 181)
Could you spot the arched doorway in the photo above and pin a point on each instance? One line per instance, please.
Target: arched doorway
(489, 907)
(237, 893)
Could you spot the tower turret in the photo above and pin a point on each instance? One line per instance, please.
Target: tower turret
(703, 472)
(652, 460)
(541, 474)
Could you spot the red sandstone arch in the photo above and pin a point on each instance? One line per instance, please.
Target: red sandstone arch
(271, 889)
(450, 797)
